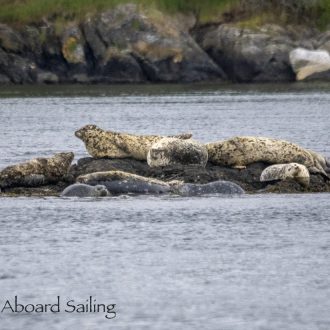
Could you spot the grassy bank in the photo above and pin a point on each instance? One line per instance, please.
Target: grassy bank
(27, 11)
(315, 12)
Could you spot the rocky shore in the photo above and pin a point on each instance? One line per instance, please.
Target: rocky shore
(132, 45)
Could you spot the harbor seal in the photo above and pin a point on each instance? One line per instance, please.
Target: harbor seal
(243, 150)
(216, 187)
(109, 144)
(173, 151)
(284, 172)
(118, 182)
(37, 172)
(84, 190)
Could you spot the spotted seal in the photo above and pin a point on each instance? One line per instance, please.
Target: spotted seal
(100, 143)
(284, 172)
(37, 172)
(84, 190)
(119, 182)
(173, 151)
(243, 150)
(216, 187)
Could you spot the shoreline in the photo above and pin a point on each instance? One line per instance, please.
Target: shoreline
(134, 45)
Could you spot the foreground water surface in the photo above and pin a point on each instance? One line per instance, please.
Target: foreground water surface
(251, 262)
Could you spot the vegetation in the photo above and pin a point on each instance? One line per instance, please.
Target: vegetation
(26, 11)
(254, 11)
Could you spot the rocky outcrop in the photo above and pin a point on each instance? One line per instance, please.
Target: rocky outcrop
(125, 44)
(250, 55)
(158, 44)
(135, 44)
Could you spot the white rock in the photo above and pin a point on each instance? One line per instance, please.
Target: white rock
(306, 62)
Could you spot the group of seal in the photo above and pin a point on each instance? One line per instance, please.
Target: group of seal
(118, 183)
(288, 161)
(100, 143)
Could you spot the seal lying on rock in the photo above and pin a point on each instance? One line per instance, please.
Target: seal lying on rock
(216, 187)
(100, 143)
(37, 172)
(84, 190)
(241, 151)
(284, 172)
(118, 182)
(173, 151)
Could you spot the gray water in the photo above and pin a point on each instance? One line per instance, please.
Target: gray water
(252, 262)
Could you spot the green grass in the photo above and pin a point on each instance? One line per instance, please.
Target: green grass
(308, 12)
(315, 12)
(27, 11)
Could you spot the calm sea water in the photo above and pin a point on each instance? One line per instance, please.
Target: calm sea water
(251, 262)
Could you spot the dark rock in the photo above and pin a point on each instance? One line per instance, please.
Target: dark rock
(73, 50)
(10, 40)
(18, 69)
(32, 37)
(249, 55)
(44, 191)
(319, 76)
(119, 67)
(4, 79)
(44, 77)
(164, 52)
(52, 58)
